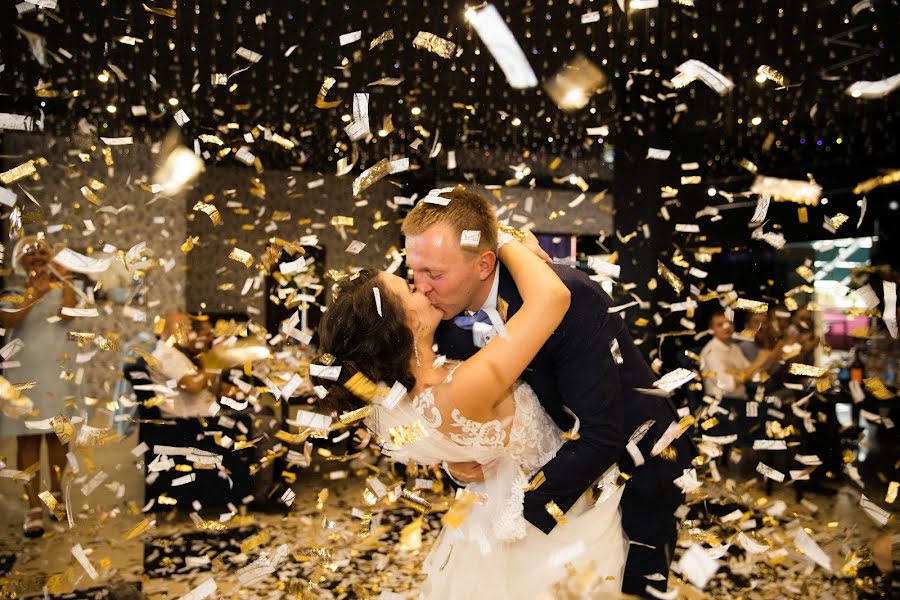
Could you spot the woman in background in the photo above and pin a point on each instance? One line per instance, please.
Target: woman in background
(48, 290)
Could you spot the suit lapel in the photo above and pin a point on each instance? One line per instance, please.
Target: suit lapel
(507, 292)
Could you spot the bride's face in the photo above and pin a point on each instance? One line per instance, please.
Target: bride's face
(420, 314)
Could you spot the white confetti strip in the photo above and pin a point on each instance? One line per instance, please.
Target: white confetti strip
(502, 45)
(81, 557)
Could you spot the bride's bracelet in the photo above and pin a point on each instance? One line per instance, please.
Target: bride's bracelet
(506, 234)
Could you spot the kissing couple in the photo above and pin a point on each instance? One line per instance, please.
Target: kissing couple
(535, 410)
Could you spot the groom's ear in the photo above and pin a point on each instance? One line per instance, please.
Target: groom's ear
(487, 260)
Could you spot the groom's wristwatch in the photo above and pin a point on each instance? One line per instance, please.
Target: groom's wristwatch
(506, 234)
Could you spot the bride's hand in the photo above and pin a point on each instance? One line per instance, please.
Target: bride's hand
(466, 472)
(531, 242)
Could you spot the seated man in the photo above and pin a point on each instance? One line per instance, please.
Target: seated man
(188, 391)
(725, 367)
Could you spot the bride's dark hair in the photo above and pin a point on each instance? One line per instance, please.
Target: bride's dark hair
(362, 341)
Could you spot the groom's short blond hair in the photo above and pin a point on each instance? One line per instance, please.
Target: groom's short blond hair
(466, 211)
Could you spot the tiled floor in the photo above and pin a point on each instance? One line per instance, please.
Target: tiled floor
(174, 554)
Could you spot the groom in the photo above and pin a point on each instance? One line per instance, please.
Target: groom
(589, 368)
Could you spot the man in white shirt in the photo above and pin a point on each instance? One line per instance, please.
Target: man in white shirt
(183, 386)
(724, 366)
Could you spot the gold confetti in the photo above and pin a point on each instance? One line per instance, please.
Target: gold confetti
(54, 506)
(670, 277)
(415, 501)
(165, 12)
(572, 86)
(869, 184)
(461, 508)
(241, 256)
(891, 494)
(16, 173)
(668, 453)
(767, 72)
(787, 190)
(432, 43)
(189, 243)
(753, 306)
(255, 541)
(355, 415)
(802, 214)
(411, 536)
(556, 513)
(384, 37)
(805, 272)
(323, 91)
(838, 220)
(209, 210)
(96, 185)
(90, 195)
(376, 172)
(537, 481)
(63, 428)
(570, 435)
(341, 221)
(211, 139)
(877, 388)
(823, 384)
(138, 529)
(401, 435)
(807, 370)
(672, 433)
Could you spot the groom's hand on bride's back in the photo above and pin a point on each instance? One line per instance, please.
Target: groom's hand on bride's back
(532, 244)
(465, 472)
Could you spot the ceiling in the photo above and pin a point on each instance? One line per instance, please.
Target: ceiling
(465, 101)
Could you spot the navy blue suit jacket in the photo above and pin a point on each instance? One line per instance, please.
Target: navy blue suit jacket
(576, 369)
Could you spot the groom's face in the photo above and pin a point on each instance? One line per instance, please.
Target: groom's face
(449, 276)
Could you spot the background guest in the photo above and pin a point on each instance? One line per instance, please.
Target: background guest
(48, 289)
(191, 391)
(725, 367)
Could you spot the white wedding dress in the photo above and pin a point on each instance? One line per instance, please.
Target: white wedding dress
(495, 553)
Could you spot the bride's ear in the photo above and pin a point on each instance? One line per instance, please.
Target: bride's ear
(487, 260)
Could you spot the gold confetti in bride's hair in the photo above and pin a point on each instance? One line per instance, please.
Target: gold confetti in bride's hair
(362, 387)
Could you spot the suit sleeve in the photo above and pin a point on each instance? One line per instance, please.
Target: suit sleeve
(589, 384)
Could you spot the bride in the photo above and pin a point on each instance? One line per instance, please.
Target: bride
(378, 329)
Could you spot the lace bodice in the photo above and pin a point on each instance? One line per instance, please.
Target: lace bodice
(533, 438)
(509, 459)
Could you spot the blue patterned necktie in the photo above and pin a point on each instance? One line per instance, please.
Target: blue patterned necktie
(467, 322)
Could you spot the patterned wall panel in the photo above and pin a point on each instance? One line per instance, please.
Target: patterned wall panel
(256, 207)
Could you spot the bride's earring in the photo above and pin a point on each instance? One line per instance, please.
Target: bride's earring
(416, 352)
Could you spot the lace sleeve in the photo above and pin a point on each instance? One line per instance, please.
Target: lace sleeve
(433, 448)
(438, 411)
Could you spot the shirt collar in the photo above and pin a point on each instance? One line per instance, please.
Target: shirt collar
(491, 301)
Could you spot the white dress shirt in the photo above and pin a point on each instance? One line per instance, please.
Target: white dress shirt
(722, 361)
(482, 333)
